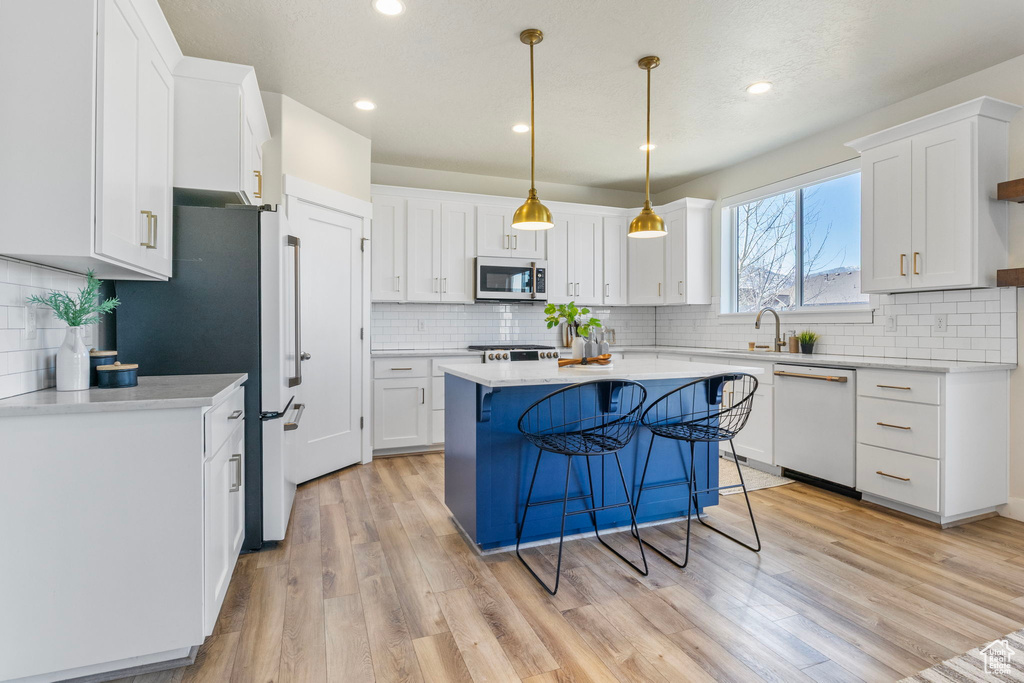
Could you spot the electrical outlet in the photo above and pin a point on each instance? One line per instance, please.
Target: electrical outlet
(30, 322)
(940, 326)
(421, 325)
(890, 323)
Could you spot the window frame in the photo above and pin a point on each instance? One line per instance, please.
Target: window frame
(853, 313)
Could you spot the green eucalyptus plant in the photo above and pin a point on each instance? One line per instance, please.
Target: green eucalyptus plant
(571, 315)
(85, 308)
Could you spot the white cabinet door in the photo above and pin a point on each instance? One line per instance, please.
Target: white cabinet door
(943, 229)
(886, 218)
(236, 496)
(560, 265)
(755, 440)
(675, 255)
(217, 477)
(423, 254)
(458, 248)
(647, 270)
(528, 243)
(615, 261)
(400, 410)
(587, 246)
(252, 167)
(492, 231)
(156, 151)
(387, 249)
(121, 228)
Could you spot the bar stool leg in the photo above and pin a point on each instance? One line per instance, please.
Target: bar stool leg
(561, 536)
(643, 477)
(750, 510)
(691, 498)
(632, 515)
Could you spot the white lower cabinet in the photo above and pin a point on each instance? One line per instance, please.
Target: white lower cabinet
(400, 413)
(224, 502)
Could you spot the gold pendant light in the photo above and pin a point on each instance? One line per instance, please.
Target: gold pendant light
(648, 223)
(532, 215)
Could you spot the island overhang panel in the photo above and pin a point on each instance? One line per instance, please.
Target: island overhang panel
(488, 462)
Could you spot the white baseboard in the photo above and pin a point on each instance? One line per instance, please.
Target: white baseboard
(1014, 509)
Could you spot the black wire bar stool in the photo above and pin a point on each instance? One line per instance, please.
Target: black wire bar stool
(709, 410)
(590, 419)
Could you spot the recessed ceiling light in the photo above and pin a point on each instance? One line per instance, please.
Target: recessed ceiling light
(644, 148)
(521, 128)
(365, 105)
(759, 87)
(389, 7)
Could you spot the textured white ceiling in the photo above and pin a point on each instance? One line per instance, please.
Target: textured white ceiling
(451, 77)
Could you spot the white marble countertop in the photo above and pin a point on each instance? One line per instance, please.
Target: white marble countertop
(827, 360)
(529, 374)
(153, 393)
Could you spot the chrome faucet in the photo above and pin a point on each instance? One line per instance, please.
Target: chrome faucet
(778, 332)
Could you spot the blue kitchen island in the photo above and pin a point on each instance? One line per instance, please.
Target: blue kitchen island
(488, 463)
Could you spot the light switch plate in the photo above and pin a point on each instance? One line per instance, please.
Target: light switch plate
(421, 325)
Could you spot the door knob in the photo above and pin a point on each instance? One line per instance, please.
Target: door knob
(304, 356)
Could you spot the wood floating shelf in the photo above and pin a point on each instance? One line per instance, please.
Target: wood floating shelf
(1011, 191)
(1011, 277)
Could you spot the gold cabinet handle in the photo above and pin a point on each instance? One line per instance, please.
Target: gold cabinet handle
(916, 271)
(903, 265)
(659, 289)
(515, 242)
(156, 231)
(259, 185)
(150, 230)
(891, 476)
(804, 375)
(886, 424)
(890, 386)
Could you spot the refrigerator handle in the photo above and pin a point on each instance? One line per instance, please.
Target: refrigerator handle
(296, 379)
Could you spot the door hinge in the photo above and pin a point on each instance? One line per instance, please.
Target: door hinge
(362, 243)
(360, 422)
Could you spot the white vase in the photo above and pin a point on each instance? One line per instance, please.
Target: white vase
(578, 345)
(73, 362)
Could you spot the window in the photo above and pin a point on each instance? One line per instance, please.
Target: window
(798, 249)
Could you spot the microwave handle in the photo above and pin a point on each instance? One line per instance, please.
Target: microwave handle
(533, 279)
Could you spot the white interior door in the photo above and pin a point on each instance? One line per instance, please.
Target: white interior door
(327, 436)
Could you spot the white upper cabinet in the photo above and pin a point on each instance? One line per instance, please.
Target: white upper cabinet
(219, 130)
(927, 218)
(96, 188)
(458, 249)
(615, 260)
(424, 250)
(575, 266)
(497, 237)
(387, 249)
(675, 269)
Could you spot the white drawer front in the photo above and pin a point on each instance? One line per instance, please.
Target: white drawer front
(910, 427)
(385, 368)
(919, 387)
(222, 419)
(902, 477)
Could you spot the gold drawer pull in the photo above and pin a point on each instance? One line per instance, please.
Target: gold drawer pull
(802, 375)
(258, 194)
(891, 476)
(890, 386)
(886, 424)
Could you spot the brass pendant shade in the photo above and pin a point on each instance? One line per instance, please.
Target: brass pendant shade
(648, 224)
(532, 215)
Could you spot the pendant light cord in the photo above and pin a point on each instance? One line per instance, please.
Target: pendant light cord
(647, 187)
(533, 189)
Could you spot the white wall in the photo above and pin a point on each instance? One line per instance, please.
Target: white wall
(1003, 81)
(311, 146)
(28, 364)
(430, 179)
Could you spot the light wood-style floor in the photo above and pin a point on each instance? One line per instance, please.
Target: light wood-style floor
(374, 583)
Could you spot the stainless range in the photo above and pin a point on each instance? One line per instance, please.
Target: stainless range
(498, 353)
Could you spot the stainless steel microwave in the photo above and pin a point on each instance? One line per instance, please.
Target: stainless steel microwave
(511, 279)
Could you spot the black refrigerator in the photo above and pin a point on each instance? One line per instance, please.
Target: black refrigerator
(206, 320)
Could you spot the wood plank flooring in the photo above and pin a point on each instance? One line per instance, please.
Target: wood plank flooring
(374, 583)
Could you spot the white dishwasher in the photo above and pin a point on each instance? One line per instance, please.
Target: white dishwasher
(815, 421)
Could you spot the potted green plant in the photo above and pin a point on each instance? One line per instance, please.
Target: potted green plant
(807, 339)
(576, 321)
(77, 311)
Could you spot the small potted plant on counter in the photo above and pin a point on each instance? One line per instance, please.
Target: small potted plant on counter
(576, 322)
(807, 339)
(77, 311)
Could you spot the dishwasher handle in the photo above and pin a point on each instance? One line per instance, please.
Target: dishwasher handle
(822, 378)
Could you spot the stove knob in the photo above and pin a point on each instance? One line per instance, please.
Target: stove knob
(505, 356)
(490, 356)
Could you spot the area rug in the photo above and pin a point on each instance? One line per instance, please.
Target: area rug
(754, 478)
(1000, 660)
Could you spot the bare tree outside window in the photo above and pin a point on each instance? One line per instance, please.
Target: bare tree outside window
(824, 219)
